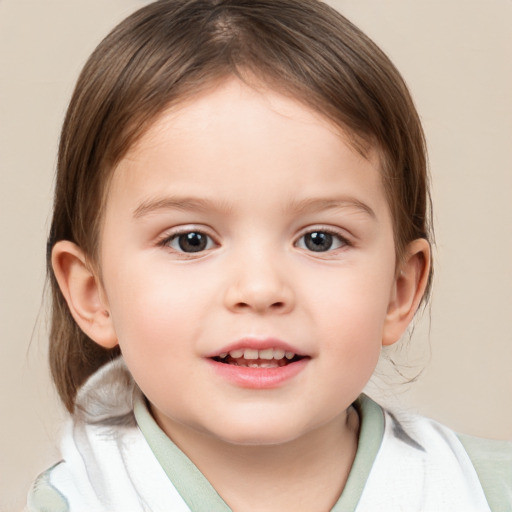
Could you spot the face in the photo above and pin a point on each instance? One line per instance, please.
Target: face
(248, 264)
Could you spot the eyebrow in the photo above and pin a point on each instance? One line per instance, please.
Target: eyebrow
(309, 205)
(176, 203)
(314, 205)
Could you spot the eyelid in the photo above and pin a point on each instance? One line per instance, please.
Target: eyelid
(172, 233)
(324, 228)
(336, 232)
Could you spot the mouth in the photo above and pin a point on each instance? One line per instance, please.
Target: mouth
(253, 358)
(259, 363)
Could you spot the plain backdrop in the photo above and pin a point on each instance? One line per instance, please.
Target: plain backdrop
(456, 56)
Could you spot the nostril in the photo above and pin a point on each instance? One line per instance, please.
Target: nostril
(242, 305)
(259, 299)
(274, 305)
(261, 306)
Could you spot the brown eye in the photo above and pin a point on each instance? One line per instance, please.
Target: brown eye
(190, 242)
(321, 241)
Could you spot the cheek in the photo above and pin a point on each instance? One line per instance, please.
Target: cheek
(352, 344)
(351, 316)
(152, 310)
(355, 300)
(156, 329)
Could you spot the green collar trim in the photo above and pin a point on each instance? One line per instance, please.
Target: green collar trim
(191, 484)
(199, 494)
(371, 433)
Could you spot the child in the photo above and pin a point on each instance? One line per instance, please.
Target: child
(240, 224)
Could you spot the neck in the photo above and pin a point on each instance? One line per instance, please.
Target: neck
(305, 474)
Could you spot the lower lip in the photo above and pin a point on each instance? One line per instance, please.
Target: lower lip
(258, 378)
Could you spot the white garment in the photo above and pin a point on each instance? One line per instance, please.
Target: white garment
(108, 465)
(421, 466)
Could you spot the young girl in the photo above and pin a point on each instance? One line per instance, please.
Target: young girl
(240, 224)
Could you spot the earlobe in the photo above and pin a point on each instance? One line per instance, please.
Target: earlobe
(409, 286)
(83, 292)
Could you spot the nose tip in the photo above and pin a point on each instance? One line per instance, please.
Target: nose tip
(260, 306)
(259, 290)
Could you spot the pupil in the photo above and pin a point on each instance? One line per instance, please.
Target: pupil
(192, 242)
(318, 241)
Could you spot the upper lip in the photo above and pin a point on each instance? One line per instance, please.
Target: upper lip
(257, 344)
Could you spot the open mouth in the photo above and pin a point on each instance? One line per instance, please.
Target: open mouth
(252, 358)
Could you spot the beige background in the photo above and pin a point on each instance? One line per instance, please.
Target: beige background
(456, 56)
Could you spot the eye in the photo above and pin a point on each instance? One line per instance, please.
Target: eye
(189, 242)
(321, 241)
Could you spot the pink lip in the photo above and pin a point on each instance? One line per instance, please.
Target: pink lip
(257, 378)
(257, 344)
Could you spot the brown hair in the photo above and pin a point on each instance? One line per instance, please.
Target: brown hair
(171, 49)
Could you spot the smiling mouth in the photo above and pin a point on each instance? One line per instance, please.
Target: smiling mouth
(252, 358)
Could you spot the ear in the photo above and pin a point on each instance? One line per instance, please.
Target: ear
(83, 292)
(410, 283)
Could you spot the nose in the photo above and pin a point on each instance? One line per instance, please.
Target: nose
(259, 283)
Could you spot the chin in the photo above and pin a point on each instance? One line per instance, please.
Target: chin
(268, 434)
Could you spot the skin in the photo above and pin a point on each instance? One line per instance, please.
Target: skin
(256, 173)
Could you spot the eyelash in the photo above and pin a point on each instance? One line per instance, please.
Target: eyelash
(343, 240)
(167, 240)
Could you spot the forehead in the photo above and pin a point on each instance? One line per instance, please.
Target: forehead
(219, 103)
(236, 132)
(218, 97)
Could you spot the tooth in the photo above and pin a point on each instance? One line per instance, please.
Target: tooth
(267, 354)
(289, 355)
(223, 355)
(249, 353)
(236, 354)
(253, 365)
(278, 354)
